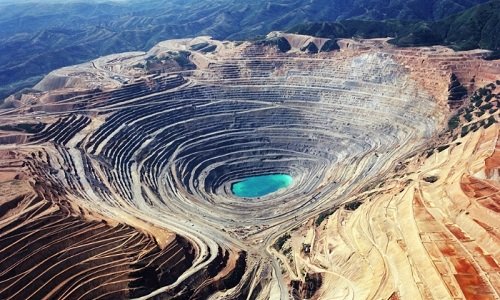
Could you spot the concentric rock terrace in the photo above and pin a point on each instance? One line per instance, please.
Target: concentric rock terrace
(155, 140)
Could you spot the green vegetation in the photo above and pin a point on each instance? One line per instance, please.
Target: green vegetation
(36, 39)
(477, 27)
(493, 55)
(199, 46)
(456, 90)
(352, 206)
(351, 28)
(180, 57)
(486, 106)
(281, 241)
(474, 127)
(464, 131)
(468, 117)
(322, 216)
(491, 120)
(203, 47)
(483, 101)
(454, 122)
(280, 42)
(442, 148)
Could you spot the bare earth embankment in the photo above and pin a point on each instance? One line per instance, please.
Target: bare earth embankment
(116, 176)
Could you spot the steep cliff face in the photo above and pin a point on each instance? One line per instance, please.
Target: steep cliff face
(128, 166)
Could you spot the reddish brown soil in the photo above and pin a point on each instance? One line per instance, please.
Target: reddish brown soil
(394, 296)
(472, 285)
(458, 233)
(486, 193)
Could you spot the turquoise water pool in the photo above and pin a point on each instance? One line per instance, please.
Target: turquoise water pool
(258, 186)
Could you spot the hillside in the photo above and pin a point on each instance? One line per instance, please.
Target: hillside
(474, 28)
(37, 38)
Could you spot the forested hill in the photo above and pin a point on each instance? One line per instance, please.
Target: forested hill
(40, 36)
(477, 27)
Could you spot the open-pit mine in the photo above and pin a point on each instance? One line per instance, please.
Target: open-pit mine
(143, 175)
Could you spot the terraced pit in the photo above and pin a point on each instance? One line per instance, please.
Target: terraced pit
(170, 149)
(179, 147)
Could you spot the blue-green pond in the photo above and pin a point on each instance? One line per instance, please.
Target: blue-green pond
(261, 185)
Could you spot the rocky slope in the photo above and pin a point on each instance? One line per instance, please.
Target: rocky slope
(427, 231)
(125, 164)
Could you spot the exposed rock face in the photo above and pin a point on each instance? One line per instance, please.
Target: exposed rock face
(429, 226)
(155, 153)
(56, 255)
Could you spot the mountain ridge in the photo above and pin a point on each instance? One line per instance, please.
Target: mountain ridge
(471, 29)
(55, 35)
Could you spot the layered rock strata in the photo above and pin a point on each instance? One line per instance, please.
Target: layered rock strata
(152, 142)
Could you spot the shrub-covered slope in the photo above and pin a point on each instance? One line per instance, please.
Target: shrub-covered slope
(477, 27)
